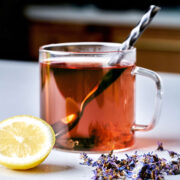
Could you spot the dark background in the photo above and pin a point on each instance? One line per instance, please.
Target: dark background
(14, 26)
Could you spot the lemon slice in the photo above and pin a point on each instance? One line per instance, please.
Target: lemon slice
(25, 141)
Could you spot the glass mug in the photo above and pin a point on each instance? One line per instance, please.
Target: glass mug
(88, 100)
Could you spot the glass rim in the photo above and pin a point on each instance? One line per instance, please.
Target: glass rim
(45, 49)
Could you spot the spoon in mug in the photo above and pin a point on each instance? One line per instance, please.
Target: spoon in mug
(70, 121)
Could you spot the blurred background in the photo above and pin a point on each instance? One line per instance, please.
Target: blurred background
(25, 25)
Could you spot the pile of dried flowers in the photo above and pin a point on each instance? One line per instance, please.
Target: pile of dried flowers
(136, 167)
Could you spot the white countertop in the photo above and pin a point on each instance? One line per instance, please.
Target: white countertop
(169, 18)
(19, 94)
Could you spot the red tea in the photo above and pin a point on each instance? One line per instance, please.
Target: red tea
(107, 120)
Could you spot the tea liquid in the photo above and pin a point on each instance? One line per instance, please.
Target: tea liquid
(107, 120)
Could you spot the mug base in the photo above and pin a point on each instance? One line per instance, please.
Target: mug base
(92, 151)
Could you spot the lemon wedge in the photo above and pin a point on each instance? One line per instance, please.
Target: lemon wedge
(25, 141)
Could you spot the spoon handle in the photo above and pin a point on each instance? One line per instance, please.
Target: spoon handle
(136, 32)
(140, 27)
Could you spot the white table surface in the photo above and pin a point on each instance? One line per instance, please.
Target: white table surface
(19, 94)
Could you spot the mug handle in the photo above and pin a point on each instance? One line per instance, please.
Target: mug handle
(158, 100)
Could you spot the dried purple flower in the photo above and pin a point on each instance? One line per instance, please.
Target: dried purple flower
(136, 167)
(87, 161)
(173, 154)
(160, 146)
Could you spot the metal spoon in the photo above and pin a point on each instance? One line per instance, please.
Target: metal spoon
(70, 121)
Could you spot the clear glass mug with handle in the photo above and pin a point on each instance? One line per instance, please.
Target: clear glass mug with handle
(89, 102)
